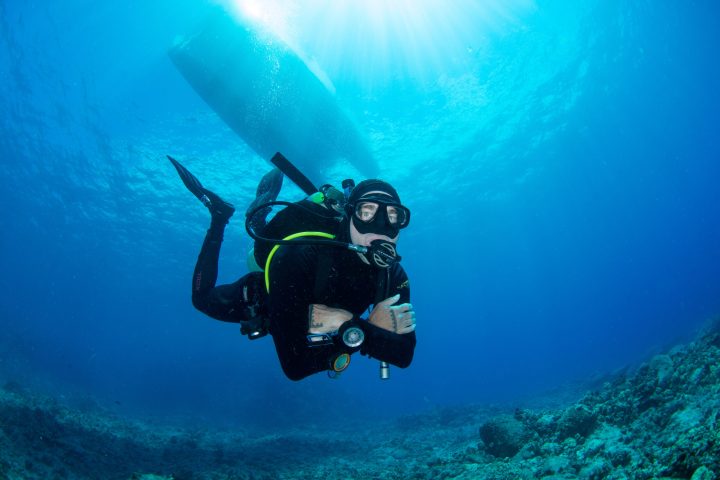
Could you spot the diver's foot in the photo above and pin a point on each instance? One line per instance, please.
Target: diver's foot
(219, 208)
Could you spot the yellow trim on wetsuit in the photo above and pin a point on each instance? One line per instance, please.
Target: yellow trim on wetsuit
(289, 237)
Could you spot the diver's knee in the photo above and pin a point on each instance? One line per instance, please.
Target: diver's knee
(199, 302)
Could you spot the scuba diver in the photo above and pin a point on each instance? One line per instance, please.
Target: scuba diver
(325, 261)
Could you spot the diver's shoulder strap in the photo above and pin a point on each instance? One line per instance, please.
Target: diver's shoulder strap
(289, 237)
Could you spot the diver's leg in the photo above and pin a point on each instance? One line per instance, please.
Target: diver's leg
(243, 301)
(205, 296)
(205, 275)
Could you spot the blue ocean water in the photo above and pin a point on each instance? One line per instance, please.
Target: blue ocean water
(561, 163)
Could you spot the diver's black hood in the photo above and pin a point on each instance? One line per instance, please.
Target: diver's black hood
(381, 225)
(373, 185)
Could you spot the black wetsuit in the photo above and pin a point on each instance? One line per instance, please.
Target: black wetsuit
(300, 276)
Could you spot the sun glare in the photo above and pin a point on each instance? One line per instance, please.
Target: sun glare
(274, 16)
(377, 40)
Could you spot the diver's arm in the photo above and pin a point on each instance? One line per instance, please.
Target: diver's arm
(394, 348)
(292, 283)
(386, 345)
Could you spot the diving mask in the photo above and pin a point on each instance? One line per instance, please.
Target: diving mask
(379, 214)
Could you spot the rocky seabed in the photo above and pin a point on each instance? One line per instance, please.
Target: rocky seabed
(658, 422)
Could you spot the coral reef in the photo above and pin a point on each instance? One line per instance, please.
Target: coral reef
(660, 422)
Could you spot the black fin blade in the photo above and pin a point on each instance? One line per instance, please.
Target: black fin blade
(190, 181)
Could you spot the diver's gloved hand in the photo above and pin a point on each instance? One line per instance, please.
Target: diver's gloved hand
(393, 318)
(324, 319)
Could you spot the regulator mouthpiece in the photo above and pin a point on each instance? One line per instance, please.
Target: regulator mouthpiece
(382, 254)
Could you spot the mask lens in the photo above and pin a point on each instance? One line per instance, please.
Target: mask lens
(398, 216)
(365, 211)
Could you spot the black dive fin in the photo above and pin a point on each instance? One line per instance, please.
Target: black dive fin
(191, 182)
(293, 173)
(216, 205)
(267, 191)
(270, 184)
